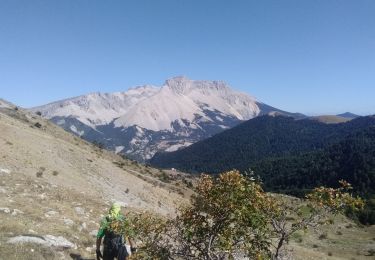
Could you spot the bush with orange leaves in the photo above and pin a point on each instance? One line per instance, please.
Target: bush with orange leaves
(228, 216)
(232, 215)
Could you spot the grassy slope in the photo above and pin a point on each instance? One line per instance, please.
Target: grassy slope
(79, 175)
(72, 173)
(342, 240)
(330, 119)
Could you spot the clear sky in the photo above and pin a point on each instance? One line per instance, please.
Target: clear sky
(309, 56)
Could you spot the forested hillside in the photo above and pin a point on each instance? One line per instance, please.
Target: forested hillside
(290, 156)
(352, 159)
(258, 139)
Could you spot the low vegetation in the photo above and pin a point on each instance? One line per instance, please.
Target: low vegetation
(291, 156)
(232, 216)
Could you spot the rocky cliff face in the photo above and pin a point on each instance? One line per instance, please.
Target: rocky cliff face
(148, 119)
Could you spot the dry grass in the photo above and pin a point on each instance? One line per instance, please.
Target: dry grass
(25, 194)
(334, 242)
(77, 174)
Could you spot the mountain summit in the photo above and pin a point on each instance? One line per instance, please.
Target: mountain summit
(147, 119)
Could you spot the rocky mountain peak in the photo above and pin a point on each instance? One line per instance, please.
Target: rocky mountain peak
(179, 113)
(178, 84)
(183, 85)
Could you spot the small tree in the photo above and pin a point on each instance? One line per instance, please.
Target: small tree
(321, 206)
(232, 215)
(155, 233)
(227, 216)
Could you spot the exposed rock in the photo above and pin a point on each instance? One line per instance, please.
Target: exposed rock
(32, 231)
(79, 210)
(59, 241)
(51, 213)
(5, 210)
(68, 222)
(82, 226)
(16, 212)
(93, 232)
(43, 196)
(122, 204)
(6, 171)
(47, 240)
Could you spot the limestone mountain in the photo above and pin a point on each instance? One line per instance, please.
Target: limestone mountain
(149, 119)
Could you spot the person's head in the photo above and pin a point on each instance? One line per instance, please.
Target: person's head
(114, 211)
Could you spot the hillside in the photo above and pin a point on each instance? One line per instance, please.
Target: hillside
(257, 139)
(352, 159)
(55, 184)
(348, 115)
(331, 119)
(335, 119)
(55, 187)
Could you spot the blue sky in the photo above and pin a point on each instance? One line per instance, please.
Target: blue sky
(314, 57)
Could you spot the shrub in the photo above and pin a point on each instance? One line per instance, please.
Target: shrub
(297, 237)
(40, 172)
(231, 214)
(349, 226)
(227, 215)
(164, 177)
(98, 144)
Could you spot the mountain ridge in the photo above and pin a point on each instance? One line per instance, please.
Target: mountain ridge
(147, 119)
(255, 139)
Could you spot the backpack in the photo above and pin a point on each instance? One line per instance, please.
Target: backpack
(114, 240)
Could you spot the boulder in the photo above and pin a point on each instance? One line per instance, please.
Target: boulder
(4, 171)
(68, 222)
(51, 213)
(16, 212)
(5, 210)
(47, 240)
(79, 210)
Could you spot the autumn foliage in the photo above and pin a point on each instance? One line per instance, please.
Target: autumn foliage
(232, 216)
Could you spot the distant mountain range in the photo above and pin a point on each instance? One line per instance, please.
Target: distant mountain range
(348, 115)
(335, 119)
(148, 119)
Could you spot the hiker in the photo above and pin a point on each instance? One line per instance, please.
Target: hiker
(112, 228)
